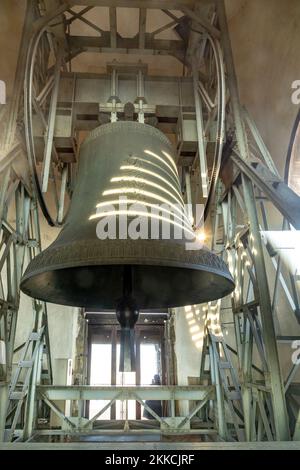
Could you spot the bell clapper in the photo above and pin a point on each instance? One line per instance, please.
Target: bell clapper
(127, 313)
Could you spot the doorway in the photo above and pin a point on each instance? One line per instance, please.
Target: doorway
(104, 357)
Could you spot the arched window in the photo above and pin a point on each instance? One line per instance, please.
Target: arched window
(292, 166)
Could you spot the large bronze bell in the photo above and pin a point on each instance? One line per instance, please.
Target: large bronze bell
(134, 161)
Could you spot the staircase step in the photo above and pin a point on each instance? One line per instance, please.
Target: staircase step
(17, 395)
(224, 365)
(234, 396)
(26, 364)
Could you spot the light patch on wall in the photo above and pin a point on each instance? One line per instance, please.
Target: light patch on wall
(2, 92)
(210, 319)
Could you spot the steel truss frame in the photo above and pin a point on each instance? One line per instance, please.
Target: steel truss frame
(79, 425)
(256, 398)
(264, 403)
(255, 335)
(18, 245)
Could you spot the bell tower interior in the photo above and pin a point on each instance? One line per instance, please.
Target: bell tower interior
(149, 224)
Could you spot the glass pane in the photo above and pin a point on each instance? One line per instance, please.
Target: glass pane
(149, 363)
(149, 368)
(124, 378)
(100, 375)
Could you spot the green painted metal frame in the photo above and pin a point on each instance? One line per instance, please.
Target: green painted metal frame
(19, 244)
(262, 389)
(238, 214)
(168, 425)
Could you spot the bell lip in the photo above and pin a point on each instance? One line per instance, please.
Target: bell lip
(86, 254)
(133, 262)
(224, 277)
(148, 308)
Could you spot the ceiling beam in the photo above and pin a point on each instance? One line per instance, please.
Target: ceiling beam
(154, 4)
(164, 28)
(113, 26)
(203, 22)
(142, 27)
(128, 45)
(168, 13)
(95, 43)
(78, 15)
(84, 20)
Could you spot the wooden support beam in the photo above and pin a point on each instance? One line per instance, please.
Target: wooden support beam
(203, 22)
(164, 28)
(96, 44)
(78, 15)
(154, 4)
(113, 27)
(142, 27)
(84, 20)
(171, 15)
